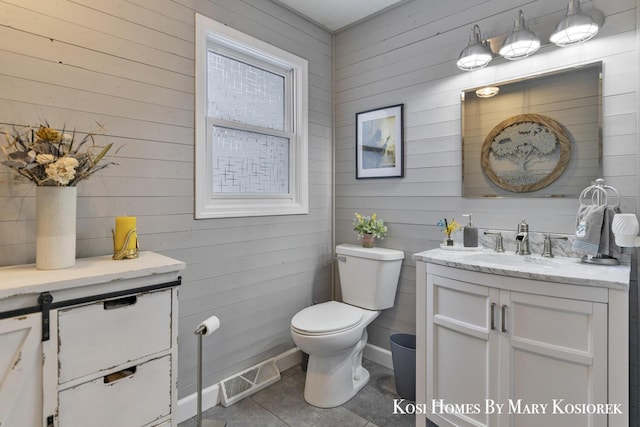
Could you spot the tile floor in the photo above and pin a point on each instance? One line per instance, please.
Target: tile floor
(282, 404)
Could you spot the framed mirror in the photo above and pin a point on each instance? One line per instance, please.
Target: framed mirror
(536, 137)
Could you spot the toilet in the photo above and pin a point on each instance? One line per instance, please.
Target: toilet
(334, 334)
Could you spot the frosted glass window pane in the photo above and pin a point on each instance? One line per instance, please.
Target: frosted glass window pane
(249, 163)
(243, 93)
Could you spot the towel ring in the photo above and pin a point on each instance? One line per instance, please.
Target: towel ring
(598, 194)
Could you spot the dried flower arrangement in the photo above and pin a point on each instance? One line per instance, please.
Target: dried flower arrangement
(49, 157)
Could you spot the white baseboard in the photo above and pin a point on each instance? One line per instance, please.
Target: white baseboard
(288, 359)
(378, 355)
(188, 406)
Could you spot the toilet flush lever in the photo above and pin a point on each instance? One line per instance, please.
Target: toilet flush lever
(341, 258)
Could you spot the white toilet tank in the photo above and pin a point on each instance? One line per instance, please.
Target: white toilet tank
(369, 276)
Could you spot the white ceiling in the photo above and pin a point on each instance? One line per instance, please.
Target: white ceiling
(337, 14)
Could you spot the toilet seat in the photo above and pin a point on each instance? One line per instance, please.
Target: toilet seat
(326, 318)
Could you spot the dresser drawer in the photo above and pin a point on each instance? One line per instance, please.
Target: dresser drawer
(133, 397)
(102, 335)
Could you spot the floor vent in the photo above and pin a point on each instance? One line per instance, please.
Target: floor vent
(248, 382)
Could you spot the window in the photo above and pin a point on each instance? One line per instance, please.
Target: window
(251, 126)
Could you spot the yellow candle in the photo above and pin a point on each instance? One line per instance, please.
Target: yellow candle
(123, 225)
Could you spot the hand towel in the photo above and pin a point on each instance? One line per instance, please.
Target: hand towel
(607, 240)
(589, 229)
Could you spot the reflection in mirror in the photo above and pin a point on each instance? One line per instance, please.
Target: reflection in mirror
(536, 137)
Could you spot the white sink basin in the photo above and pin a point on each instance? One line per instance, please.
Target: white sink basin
(514, 260)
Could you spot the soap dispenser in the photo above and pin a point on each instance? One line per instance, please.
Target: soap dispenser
(469, 234)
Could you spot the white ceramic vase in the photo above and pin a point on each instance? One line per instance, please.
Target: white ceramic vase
(56, 227)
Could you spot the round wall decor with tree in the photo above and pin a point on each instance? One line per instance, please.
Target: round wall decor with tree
(525, 153)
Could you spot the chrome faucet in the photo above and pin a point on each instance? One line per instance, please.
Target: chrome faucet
(522, 239)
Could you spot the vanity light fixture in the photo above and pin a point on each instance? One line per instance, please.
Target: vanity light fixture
(576, 27)
(521, 42)
(487, 91)
(476, 55)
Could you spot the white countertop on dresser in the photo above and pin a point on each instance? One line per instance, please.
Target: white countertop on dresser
(26, 279)
(558, 269)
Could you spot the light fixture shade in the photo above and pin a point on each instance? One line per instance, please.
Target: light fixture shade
(521, 42)
(476, 55)
(576, 27)
(487, 91)
(625, 229)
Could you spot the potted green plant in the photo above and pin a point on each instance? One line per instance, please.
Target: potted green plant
(367, 228)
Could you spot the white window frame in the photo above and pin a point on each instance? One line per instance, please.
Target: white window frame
(223, 205)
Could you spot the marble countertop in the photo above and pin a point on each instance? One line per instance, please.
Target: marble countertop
(559, 269)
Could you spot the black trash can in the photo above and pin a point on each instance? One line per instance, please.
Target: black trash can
(403, 354)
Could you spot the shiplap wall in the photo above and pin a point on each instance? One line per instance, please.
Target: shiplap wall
(129, 64)
(408, 56)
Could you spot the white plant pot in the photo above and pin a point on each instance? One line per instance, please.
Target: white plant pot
(56, 227)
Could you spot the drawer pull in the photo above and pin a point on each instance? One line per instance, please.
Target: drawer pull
(120, 302)
(128, 372)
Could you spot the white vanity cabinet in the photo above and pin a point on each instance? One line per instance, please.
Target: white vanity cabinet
(540, 348)
(95, 344)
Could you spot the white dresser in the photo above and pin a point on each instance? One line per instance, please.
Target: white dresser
(95, 344)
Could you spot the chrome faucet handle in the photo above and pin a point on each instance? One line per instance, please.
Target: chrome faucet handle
(499, 247)
(547, 251)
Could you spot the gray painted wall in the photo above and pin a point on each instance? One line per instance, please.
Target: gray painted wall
(129, 65)
(408, 56)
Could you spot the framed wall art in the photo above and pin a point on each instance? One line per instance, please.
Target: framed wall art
(379, 143)
(525, 153)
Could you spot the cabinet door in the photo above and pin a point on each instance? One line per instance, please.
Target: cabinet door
(462, 342)
(554, 348)
(21, 371)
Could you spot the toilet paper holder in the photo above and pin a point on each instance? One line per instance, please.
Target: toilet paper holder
(207, 327)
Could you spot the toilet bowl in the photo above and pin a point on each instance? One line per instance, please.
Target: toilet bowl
(334, 371)
(334, 334)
